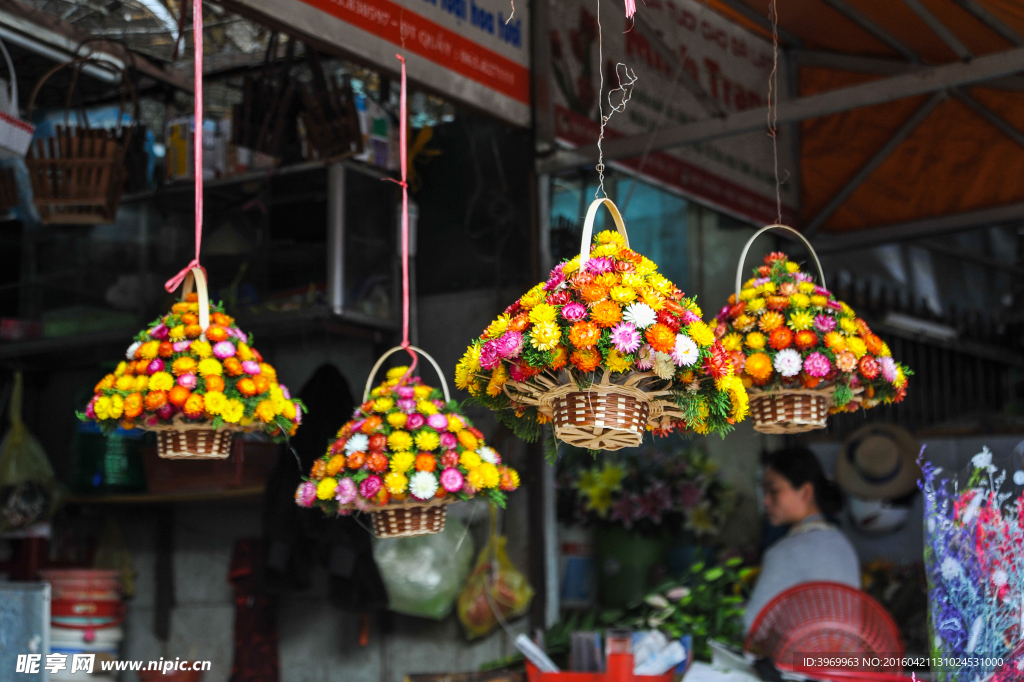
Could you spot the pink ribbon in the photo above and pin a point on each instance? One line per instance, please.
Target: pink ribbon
(197, 141)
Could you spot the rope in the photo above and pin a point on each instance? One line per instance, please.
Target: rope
(773, 105)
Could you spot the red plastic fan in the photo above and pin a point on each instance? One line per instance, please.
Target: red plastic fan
(823, 618)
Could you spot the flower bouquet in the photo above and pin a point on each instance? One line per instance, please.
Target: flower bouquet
(975, 569)
(605, 349)
(405, 455)
(194, 379)
(802, 353)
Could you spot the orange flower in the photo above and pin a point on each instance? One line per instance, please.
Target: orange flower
(661, 337)
(193, 331)
(189, 318)
(593, 292)
(519, 322)
(215, 333)
(377, 462)
(774, 303)
(808, 381)
(178, 395)
(179, 307)
(192, 298)
(246, 387)
(371, 424)
(106, 382)
(133, 405)
(806, 339)
(780, 338)
(606, 314)
(155, 400)
(233, 367)
(262, 383)
(194, 406)
(222, 319)
(319, 469)
(759, 367)
(586, 360)
(873, 343)
(584, 334)
(356, 460)
(183, 365)
(559, 356)
(862, 327)
(771, 321)
(166, 349)
(215, 383)
(425, 462)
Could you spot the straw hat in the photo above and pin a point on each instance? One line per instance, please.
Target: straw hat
(878, 461)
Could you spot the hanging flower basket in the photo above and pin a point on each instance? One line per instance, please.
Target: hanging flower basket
(605, 350)
(193, 378)
(802, 354)
(406, 454)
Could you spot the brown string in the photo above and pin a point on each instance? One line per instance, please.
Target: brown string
(773, 104)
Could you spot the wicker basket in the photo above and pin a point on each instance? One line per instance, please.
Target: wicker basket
(406, 520)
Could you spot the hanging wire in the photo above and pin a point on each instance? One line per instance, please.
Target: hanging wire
(773, 104)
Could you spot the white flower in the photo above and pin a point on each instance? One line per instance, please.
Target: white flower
(931, 525)
(950, 568)
(657, 601)
(788, 362)
(972, 643)
(685, 352)
(640, 314)
(663, 365)
(130, 353)
(983, 459)
(677, 593)
(488, 454)
(1018, 477)
(999, 577)
(357, 442)
(423, 485)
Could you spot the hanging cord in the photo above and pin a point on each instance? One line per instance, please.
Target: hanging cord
(773, 104)
(625, 87)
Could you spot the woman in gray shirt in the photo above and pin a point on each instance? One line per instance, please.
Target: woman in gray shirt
(797, 494)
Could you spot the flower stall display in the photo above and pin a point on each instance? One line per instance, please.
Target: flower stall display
(975, 567)
(801, 353)
(406, 454)
(605, 349)
(193, 378)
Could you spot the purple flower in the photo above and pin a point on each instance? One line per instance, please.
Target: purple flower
(251, 367)
(155, 365)
(407, 405)
(761, 280)
(802, 277)
(689, 317)
(625, 337)
(305, 494)
(448, 440)
(406, 392)
(599, 266)
(370, 486)
(489, 355)
(689, 495)
(723, 314)
(224, 349)
(817, 365)
(556, 278)
(345, 493)
(510, 344)
(181, 346)
(438, 422)
(415, 421)
(159, 332)
(188, 380)
(574, 312)
(888, 367)
(824, 323)
(165, 412)
(625, 510)
(452, 480)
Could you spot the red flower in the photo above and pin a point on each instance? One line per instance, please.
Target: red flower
(780, 338)
(774, 256)
(717, 365)
(560, 297)
(377, 442)
(869, 368)
(669, 320)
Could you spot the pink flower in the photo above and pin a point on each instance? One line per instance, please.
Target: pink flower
(846, 361)
(305, 494)
(224, 349)
(406, 391)
(574, 312)
(560, 297)
(761, 280)
(439, 404)
(820, 291)
(251, 367)
(415, 421)
(824, 323)
(802, 277)
(834, 305)
(181, 346)
(510, 344)
(345, 493)
(438, 422)
(817, 365)
(599, 266)
(723, 314)
(159, 332)
(165, 412)
(370, 486)
(645, 358)
(888, 367)
(625, 337)
(298, 413)
(356, 425)
(556, 278)
(450, 458)
(89, 411)
(155, 365)
(188, 380)
(518, 372)
(285, 392)
(407, 405)
(489, 355)
(448, 440)
(452, 480)
(689, 317)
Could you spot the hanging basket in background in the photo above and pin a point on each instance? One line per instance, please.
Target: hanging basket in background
(406, 454)
(193, 378)
(605, 350)
(802, 354)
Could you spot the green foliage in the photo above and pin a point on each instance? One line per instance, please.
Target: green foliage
(843, 394)
(551, 448)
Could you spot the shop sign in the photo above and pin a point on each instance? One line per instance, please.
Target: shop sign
(732, 64)
(473, 51)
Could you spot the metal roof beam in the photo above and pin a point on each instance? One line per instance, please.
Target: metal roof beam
(1001, 124)
(940, 29)
(871, 166)
(750, 13)
(979, 69)
(993, 22)
(852, 62)
(972, 257)
(872, 28)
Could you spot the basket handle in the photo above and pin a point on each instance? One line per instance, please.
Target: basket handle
(380, 361)
(14, 80)
(743, 256)
(588, 226)
(198, 275)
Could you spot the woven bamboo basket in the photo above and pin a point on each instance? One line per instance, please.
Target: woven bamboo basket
(604, 415)
(78, 174)
(190, 440)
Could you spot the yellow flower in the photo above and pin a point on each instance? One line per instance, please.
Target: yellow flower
(202, 349)
(268, 371)
(646, 266)
(244, 352)
(383, 404)
(116, 406)
(396, 373)
(755, 340)
(471, 358)
(469, 460)
(767, 288)
(605, 250)
(149, 350)
(800, 300)
(177, 333)
(498, 378)
(819, 301)
(427, 440)
(102, 408)
(800, 320)
(571, 266)
(498, 327)
(651, 298)
(456, 423)
(399, 440)
(490, 474)
(215, 402)
(732, 341)
(747, 294)
(700, 333)
(835, 342)
(743, 323)
(397, 419)
(396, 483)
(543, 336)
(141, 382)
(848, 325)
(121, 367)
(657, 280)
(161, 381)
(847, 310)
(265, 411)
(124, 383)
(622, 294)
(402, 461)
(617, 363)
(532, 297)
(856, 345)
(233, 411)
(422, 392)
(210, 367)
(325, 488)
(476, 479)
(884, 351)
(901, 378)
(770, 321)
(426, 407)
(755, 304)
(805, 287)
(609, 237)
(791, 267)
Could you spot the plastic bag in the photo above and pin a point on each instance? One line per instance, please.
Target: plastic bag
(495, 584)
(423, 575)
(27, 484)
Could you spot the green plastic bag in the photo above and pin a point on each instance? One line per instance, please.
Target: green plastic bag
(27, 484)
(423, 575)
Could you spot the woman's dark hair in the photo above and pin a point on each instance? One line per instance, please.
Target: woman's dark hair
(798, 466)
